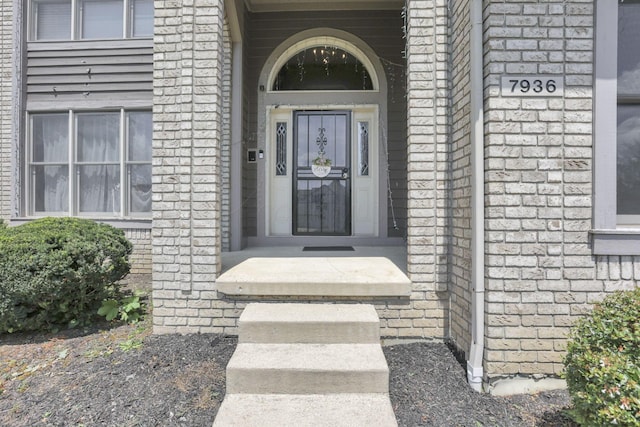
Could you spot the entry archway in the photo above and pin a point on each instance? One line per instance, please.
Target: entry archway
(322, 91)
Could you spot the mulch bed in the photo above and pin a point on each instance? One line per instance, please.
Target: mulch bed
(123, 376)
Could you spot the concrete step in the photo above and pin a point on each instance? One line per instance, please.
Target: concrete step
(281, 410)
(309, 323)
(322, 276)
(307, 369)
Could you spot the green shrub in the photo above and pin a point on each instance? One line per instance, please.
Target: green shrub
(603, 363)
(57, 271)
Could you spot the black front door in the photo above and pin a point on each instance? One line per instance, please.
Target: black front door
(321, 179)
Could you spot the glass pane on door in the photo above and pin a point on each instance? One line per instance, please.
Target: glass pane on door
(322, 187)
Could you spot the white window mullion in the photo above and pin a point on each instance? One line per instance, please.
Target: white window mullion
(73, 199)
(75, 20)
(126, 13)
(124, 200)
(29, 176)
(32, 13)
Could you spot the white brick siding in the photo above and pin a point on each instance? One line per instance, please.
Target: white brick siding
(141, 255)
(460, 250)
(6, 107)
(189, 107)
(541, 273)
(427, 97)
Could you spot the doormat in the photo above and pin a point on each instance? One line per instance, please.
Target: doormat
(327, 248)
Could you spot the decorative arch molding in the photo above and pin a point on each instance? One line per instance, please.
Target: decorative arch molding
(279, 106)
(330, 37)
(329, 43)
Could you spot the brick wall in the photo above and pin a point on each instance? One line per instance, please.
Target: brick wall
(460, 255)
(141, 255)
(541, 274)
(189, 59)
(6, 111)
(427, 97)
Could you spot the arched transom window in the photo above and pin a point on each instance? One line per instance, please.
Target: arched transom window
(322, 66)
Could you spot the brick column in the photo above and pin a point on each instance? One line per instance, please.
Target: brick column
(188, 75)
(538, 184)
(427, 132)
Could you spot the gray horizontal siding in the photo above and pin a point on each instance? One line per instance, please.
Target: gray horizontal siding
(86, 75)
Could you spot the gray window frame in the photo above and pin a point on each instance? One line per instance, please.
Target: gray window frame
(127, 32)
(73, 163)
(609, 237)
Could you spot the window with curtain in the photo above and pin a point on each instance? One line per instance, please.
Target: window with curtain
(50, 162)
(102, 167)
(139, 132)
(98, 162)
(51, 20)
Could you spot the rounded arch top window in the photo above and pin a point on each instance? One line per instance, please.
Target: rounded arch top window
(321, 67)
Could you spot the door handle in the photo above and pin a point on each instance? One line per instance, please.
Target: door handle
(345, 173)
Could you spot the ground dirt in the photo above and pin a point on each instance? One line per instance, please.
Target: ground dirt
(121, 375)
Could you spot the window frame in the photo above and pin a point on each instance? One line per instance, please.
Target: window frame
(76, 20)
(609, 235)
(73, 165)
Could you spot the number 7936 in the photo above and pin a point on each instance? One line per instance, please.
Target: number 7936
(535, 85)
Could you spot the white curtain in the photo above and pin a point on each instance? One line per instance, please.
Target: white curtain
(140, 130)
(98, 142)
(50, 153)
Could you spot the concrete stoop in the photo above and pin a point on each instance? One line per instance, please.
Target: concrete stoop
(307, 365)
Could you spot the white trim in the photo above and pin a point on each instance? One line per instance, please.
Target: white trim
(324, 100)
(123, 223)
(235, 217)
(124, 164)
(234, 10)
(475, 362)
(278, 189)
(73, 182)
(610, 236)
(605, 112)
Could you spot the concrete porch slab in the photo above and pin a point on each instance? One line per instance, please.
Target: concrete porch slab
(317, 276)
(311, 410)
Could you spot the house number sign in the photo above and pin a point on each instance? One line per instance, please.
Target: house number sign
(544, 86)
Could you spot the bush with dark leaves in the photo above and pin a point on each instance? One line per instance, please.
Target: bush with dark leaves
(56, 272)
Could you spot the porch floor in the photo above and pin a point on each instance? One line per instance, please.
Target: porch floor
(290, 271)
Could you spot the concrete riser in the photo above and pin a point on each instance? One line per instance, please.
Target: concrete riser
(309, 323)
(313, 410)
(307, 365)
(309, 332)
(256, 381)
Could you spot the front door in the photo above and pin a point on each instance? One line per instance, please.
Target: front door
(322, 175)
